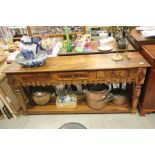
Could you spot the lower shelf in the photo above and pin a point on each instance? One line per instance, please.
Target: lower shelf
(82, 107)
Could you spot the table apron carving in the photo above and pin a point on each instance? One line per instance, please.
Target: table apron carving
(102, 76)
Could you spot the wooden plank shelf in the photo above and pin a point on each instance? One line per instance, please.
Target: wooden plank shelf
(94, 50)
(82, 107)
(57, 34)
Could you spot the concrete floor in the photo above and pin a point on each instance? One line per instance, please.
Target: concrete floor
(91, 121)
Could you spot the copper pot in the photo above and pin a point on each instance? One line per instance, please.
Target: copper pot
(97, 92)
(119, 96)
(97, 96)
(98, 104)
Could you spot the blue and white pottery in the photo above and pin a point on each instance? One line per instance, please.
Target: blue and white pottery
(26, 40)
(28, 51)
(39, 60)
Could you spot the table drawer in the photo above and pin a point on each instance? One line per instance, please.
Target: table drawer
(118, 75)
(33, 77)
(74, 75)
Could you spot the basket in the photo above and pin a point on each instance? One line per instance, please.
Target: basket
(41, 98)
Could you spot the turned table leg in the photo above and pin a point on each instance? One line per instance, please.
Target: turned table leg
(135, 99)
(137, 88)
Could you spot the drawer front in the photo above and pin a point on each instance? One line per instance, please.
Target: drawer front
(34, 77)
(74, 76)
(118, 75)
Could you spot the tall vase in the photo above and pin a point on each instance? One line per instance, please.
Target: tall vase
(68, 40)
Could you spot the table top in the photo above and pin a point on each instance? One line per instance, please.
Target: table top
(94, 49)
(150, 50)
(83, 63)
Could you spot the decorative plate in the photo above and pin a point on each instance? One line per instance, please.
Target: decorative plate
(105, 48)
(38, 61)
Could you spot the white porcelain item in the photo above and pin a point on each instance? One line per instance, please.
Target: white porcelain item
(104, 42)
(103, 35)
(104, 48)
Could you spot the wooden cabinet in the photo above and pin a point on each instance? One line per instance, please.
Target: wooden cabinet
(88, 69)
(137, 40)
(148, 101)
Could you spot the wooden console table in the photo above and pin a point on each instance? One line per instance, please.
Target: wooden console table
(81, 69)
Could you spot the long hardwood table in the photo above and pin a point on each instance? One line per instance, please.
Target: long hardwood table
(80, 69)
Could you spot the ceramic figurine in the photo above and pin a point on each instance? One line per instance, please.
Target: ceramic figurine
(73, 42)
(79, 43)
(88, 43)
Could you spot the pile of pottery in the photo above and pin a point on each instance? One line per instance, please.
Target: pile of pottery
(97, 96)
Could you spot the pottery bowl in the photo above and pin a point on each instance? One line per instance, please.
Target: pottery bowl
(41, 98)
(39, 60)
